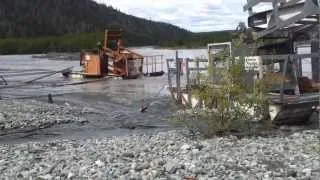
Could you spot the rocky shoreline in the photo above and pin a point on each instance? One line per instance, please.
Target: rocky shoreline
(167, 155)
(18, 115)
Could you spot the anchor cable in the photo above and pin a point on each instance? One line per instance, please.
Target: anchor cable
(146, 106)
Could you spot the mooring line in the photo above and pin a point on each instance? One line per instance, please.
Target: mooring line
(48, 75)
(31, 97)
(26, 73)
(146, 106)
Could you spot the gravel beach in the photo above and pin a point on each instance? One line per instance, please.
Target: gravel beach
(29, 114)
(166, 155)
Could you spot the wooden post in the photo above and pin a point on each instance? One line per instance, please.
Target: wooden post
(105, 39)
(295, 74)
(284, 73)
(300, 67)
(178, 76)
(169, 74)
(152, 64)
(315, 61)
(198, 71)
(315, 48)
(147, 65)
(188, 82)
(155, 63)
(50, 99)
(127, 68)
(211, 65)
(4, 80)
(161, 62)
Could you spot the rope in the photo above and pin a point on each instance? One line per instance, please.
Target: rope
(48, 75)
(146, 106)
(27, 83)
(31, 97)
(55, 86)
(25, 74)
(23, 70)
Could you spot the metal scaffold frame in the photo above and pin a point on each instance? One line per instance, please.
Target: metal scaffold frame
(296, 15)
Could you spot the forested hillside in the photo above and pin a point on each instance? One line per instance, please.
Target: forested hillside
(34, 18)
(35, 26)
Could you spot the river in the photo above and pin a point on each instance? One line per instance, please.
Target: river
(118, 102)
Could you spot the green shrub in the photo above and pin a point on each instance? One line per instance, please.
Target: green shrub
(230, 102)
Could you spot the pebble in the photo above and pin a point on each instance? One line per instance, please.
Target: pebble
(70, 175)
(291, 173)
(165, 155)
(307, 172)
(142, 166)
(99, 163)
(171, 167)
(45, 177)
(185, 147)
(35, 114)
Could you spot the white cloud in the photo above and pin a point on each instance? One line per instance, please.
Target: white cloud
(194, 15)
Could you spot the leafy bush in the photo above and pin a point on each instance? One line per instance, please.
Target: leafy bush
(231, 103)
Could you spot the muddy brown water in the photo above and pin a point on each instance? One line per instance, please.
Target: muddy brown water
(117, 103)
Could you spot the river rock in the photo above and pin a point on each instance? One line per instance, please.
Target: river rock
(99, 163)
(34, 114)
(70, 175)
(45, 177)
(291, 173)
(142, 166)
(124, 157)
(185, 147)
(2, 118)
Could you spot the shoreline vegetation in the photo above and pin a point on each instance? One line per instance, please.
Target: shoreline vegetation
(77, 42)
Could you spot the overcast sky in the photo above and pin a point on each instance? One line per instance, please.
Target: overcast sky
(193, 15)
